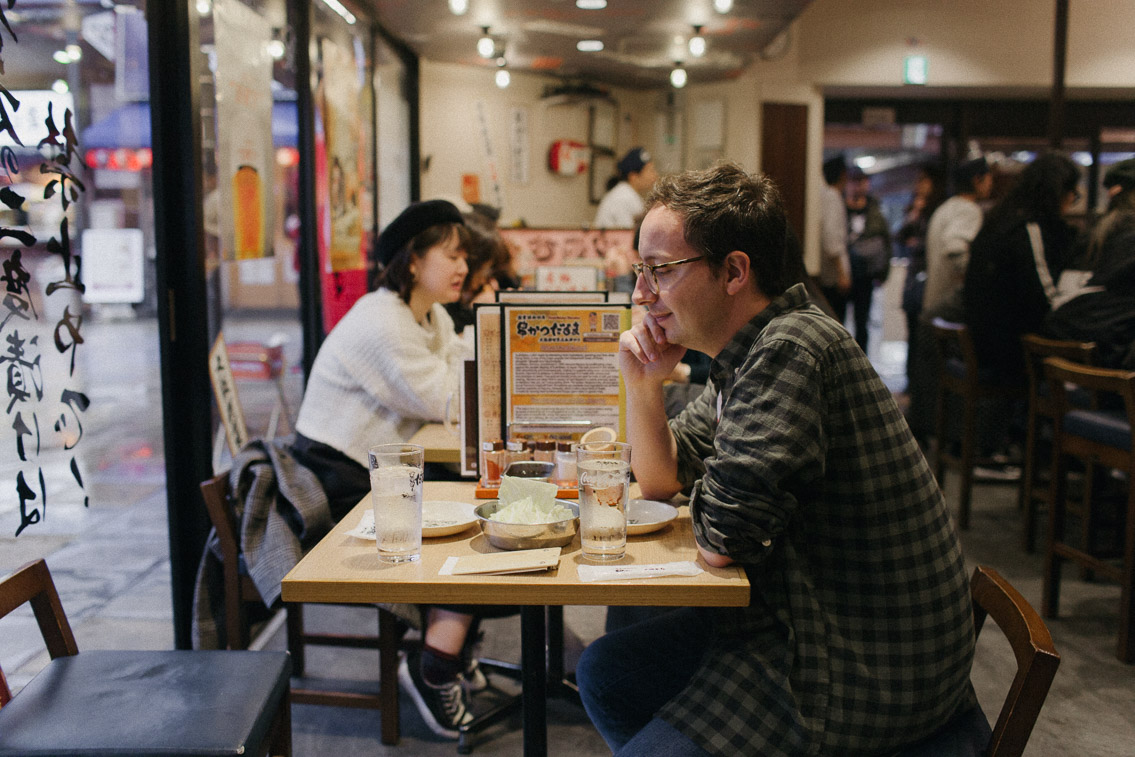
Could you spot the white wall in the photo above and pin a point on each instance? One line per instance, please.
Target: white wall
(452, 141)
(967, 43)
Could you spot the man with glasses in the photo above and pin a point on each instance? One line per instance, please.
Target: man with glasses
(799, 466)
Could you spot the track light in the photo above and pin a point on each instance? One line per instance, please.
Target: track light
(697, 42)
(678, 75)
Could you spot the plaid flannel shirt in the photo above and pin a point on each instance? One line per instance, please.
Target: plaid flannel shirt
(859, 633)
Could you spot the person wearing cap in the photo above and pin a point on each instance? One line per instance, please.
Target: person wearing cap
(1104, 311)
(622, 206)
(387, 368)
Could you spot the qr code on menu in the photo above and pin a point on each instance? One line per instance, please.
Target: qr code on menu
(611, 322)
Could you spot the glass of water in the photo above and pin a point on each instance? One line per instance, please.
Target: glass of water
(604, 485)
(396, 492)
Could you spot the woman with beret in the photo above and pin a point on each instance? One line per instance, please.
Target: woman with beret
(387, 368)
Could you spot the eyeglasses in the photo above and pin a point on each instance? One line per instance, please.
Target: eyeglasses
(650, 272)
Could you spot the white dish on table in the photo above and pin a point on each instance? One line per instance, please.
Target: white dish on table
(439, 518)
(645, 516)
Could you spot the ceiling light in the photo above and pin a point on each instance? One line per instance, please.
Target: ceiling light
(341, 9)
(589, 45)
(485, 45)
(697, 42)
(204, 7)
(503, 78)
(458, 7)
(276, 49)
(723, 6)
(591, 5)
(74, 52)
(60, 87)
(61, 56)
(678, 76)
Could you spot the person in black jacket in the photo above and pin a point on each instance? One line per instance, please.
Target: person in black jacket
(1104, 312)
(1022, 248)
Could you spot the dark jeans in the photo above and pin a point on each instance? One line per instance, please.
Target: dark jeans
(862, 291)
(626, 676)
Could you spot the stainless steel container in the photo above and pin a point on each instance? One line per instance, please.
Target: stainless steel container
(526, 536)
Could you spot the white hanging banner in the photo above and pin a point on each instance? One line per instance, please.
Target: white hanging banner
(497, 197)
(518, 144)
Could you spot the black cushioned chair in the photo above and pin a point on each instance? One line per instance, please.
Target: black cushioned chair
(1041, 411)
(138, 703)
(1103, 437)
(959, 375)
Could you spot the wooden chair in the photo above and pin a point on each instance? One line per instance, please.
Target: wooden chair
(240, 591)
(1103, 437)
(1041, 410)
(138, 703)
(959, 376)
(1037, 660)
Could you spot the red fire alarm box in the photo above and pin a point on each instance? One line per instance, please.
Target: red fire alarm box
(567, 157)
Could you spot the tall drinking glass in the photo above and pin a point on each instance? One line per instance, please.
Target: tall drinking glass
(604, 486)
(396, 492)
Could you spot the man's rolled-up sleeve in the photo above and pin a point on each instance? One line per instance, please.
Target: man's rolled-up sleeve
(770, 447)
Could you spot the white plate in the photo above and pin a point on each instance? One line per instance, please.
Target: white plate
(647, 515)
(439, 518)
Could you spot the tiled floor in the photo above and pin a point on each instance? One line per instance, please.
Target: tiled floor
(110, 561)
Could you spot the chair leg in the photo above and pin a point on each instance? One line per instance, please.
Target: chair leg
(280, 744)
(1126, 650)
(1050, 588)
(1027, 498)
(294, 613)
(941, 441)
(1089, 516)
(969, 441)
(388, 638)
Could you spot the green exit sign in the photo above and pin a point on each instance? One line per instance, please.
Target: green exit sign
(914, 69)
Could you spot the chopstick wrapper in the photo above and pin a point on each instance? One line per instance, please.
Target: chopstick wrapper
(621, 572)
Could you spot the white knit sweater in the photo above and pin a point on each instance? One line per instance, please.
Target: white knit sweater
(380, 375)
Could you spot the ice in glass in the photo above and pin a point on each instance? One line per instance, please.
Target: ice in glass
(396, 493)
(604, 486)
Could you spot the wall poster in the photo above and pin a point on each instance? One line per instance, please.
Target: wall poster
(345, 153)
(245, 156)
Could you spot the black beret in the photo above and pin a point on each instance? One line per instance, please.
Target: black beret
(1121, 174)
(413, 221)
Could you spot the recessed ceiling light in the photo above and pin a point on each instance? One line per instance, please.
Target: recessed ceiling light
(60, 87)
(458, 7)
(589, 45)
(723, 6)
(591, 5)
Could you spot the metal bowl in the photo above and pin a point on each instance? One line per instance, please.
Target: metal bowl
(537, 470)
(525, 536)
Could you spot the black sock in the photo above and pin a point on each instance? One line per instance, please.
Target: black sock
(439, 668)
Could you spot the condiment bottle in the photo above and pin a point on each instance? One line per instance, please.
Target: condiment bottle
(565, 474)
(516, 452)
(492, 463)
(545, 451)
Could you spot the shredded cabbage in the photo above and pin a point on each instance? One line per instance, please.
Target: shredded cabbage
(527, 512)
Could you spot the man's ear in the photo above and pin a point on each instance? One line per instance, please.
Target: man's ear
(737, 271)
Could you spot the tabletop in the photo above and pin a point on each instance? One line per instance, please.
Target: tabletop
(441, 445)
(344, 568)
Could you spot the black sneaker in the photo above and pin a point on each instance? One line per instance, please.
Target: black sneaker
(474, 679)
(443, 708)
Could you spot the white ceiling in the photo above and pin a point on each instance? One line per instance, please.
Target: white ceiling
(642, 38)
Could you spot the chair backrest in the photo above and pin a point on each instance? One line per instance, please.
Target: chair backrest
(955, 344)
(1098, 382)
(32, 583)
(1037, 348)
(1037, 658)
(218, 504)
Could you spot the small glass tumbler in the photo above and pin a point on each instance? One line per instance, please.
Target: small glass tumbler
(396, 477)
(604, 486)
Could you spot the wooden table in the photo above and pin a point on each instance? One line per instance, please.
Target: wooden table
(441, 446)
(342, 568)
